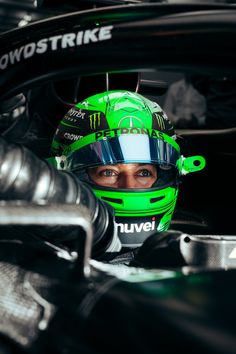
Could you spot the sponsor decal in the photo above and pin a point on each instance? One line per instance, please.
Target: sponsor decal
(95, 120)
(63, 41)
(160, 120)
(131, 121)
(73, 137)
(74, 113)
(135, 227)
(111, 133)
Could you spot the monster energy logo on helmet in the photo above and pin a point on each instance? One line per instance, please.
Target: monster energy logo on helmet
(160, 121)
(95, 120)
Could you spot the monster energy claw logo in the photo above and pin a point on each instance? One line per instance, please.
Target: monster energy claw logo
(95, 120)
(160, 120)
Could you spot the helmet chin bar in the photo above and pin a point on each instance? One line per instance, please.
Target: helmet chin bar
(139, 213)
(190, 164)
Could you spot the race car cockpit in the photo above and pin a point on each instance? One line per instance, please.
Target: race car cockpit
(58, 295)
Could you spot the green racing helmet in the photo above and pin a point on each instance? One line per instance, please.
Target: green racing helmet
(121, 127)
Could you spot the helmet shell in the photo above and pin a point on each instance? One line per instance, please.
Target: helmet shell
(107, 111)
(97, 120)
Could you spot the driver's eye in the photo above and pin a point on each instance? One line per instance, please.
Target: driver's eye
(144, 173)
(107, 173)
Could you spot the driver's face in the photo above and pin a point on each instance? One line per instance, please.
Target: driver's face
(124, 175)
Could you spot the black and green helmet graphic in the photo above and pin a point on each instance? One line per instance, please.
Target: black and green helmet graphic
(121, 127)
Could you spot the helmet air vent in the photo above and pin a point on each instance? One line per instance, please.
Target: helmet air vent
(157, 199)
(112, 200)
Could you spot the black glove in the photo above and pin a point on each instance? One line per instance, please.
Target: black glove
(160, 250)
(12, 103)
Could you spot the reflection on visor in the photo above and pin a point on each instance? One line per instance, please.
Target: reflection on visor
(124, 149)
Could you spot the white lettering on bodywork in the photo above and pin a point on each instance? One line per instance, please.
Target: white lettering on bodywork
(54, 43)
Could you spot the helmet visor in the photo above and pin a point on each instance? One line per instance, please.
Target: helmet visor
(137, 148)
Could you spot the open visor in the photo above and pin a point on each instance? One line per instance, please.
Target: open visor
(137, 148)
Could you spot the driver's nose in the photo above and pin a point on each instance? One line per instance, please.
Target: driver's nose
(128, 181)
